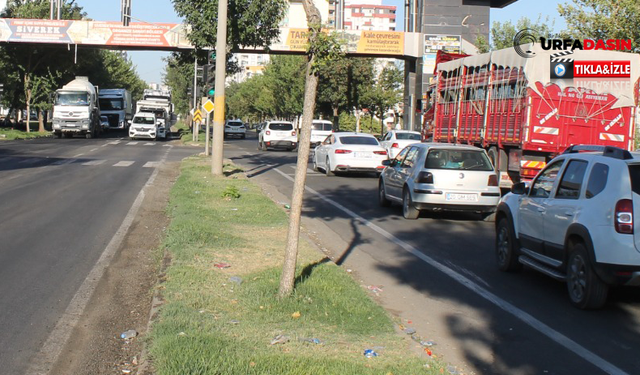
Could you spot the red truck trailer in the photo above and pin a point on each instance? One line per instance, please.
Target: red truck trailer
(508, 105)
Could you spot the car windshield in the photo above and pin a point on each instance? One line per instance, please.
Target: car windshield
(280, 126)
(111, 104)
(458, 160)
(72, 98)
(410, 136)
(234, 123)
(358, 140)
(321, 126)
(144, 120)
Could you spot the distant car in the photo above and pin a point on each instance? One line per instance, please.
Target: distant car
(278, 134)
(349, 152)
(575, 223)
(395, 140)
(437, 176)
(320, 130)
(104, 123)
(235, 128)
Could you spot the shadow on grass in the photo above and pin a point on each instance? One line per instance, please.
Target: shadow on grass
(308, 270)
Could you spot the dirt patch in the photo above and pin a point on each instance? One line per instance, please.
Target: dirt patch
(122, 299)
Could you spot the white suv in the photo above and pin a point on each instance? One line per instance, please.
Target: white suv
(575, 223)
(235, 128)
(278, 134)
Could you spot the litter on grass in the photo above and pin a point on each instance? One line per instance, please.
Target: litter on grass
(129, 334)
(236, 279)
(375, 288)
(280, 339)
(370, 353)
(311, 340)
(222, 265)
(409, 331)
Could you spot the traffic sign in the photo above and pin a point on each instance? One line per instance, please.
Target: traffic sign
(197, 115)
(208, 106)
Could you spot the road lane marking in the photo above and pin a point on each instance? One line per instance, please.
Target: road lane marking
(94, 162)
(50, 351)
(114, 142)
(525, 317)
(124, 163)
(151, 164)
(132, 143)
(150, 144)
(95, 149)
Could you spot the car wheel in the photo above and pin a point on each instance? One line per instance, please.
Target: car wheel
(315, 165)
(506, 247)
(263, 147)
(243, 136)
(89, 135)
(586, 290)
(409, 211)
(382, 195)
(327, 169)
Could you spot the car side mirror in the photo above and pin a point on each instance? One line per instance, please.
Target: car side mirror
(520, 188)
(386, 163)
(129, 122)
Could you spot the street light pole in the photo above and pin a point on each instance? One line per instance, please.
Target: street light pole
(219, 101)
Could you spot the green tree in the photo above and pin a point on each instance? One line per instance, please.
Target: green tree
(285, 78)
(603, 19)
(502, 34)
(178, 75)
(385, 94)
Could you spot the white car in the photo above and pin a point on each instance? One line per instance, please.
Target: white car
(395, 140)
(235, 128)
(320, 130)
(144, 125)
(278, 134)
(438, 176)
(349, 152)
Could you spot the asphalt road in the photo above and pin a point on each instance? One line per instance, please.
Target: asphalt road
(444, 268)
(61, 202)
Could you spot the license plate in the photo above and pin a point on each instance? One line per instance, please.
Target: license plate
(462, 197)
(363, 155)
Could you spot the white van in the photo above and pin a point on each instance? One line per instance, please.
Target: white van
(320, 130)
(144, 125)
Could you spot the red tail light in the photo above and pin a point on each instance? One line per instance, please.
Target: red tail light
(380, 152)
(341, 151)
(293, 133)
(623, 219)
(268, 132)
(493, 180)
(425, 178)
(395, 145)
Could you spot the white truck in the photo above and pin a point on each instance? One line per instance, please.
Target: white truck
(76, 109)
(116, 105)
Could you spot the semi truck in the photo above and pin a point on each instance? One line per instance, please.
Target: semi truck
(116, 105)
(76, 110)
(509, 105)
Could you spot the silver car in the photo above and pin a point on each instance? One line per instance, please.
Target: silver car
(438, 176)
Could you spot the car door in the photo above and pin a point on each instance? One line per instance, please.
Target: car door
(531, 214)
(321, 152)
(563, 207)
(392, 182)
(385, 141)
(403, 170)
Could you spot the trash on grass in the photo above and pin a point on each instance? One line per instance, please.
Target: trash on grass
(452, 370)
(236, 279)
(182, 334)
(234, 321)
(222, 265)
(409, 331)
(369, 353)
(311, 340)
(129, 334)
(427, 343)
(280, 339)
(296, 315)
(375, 288)
(288, 207)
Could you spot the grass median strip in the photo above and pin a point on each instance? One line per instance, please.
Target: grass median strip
(221, 313)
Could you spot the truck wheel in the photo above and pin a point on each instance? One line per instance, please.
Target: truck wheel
(586, 290)
(89, 135)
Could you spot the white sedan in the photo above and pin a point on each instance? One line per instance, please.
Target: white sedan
(349, 152)
(395, 140)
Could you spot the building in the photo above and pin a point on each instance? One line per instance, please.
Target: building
(369, 15)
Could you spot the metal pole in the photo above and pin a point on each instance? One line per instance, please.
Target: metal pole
(206, 141)
(218, 114)
(195, 97)
(52, 7)
(59, 8)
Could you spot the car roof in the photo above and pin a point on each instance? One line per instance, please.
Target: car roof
(322, 121)
(449, 146)
(404, 131)
(279, 122)
(347, 134)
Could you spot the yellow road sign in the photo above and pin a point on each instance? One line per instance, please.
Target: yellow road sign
(197, 115)
(208, 106)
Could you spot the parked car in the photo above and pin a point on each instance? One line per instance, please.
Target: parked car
(440, 176)
(349, 152)
(235, 128)
(395, 140)
(320, 130)
(278, 134)
(575, 223)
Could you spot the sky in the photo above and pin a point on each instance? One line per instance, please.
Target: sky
(150, 66)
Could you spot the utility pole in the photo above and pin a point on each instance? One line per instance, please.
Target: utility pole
(195, 97)
(219, 102)
(59, 8)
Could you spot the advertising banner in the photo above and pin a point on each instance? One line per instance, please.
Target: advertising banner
(445, 43)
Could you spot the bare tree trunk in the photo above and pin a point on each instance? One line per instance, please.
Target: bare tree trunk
(304, 145)
(41, 121)
(336, 117)
(358, 116)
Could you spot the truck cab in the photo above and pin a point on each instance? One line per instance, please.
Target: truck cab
(76, 109)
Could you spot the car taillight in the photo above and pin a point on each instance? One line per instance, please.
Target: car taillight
(293, 133)
(425, 178)
(341, 151)
(493, 180)
(380, 152)
(268, 132)
(395, 145)
(624, 216)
